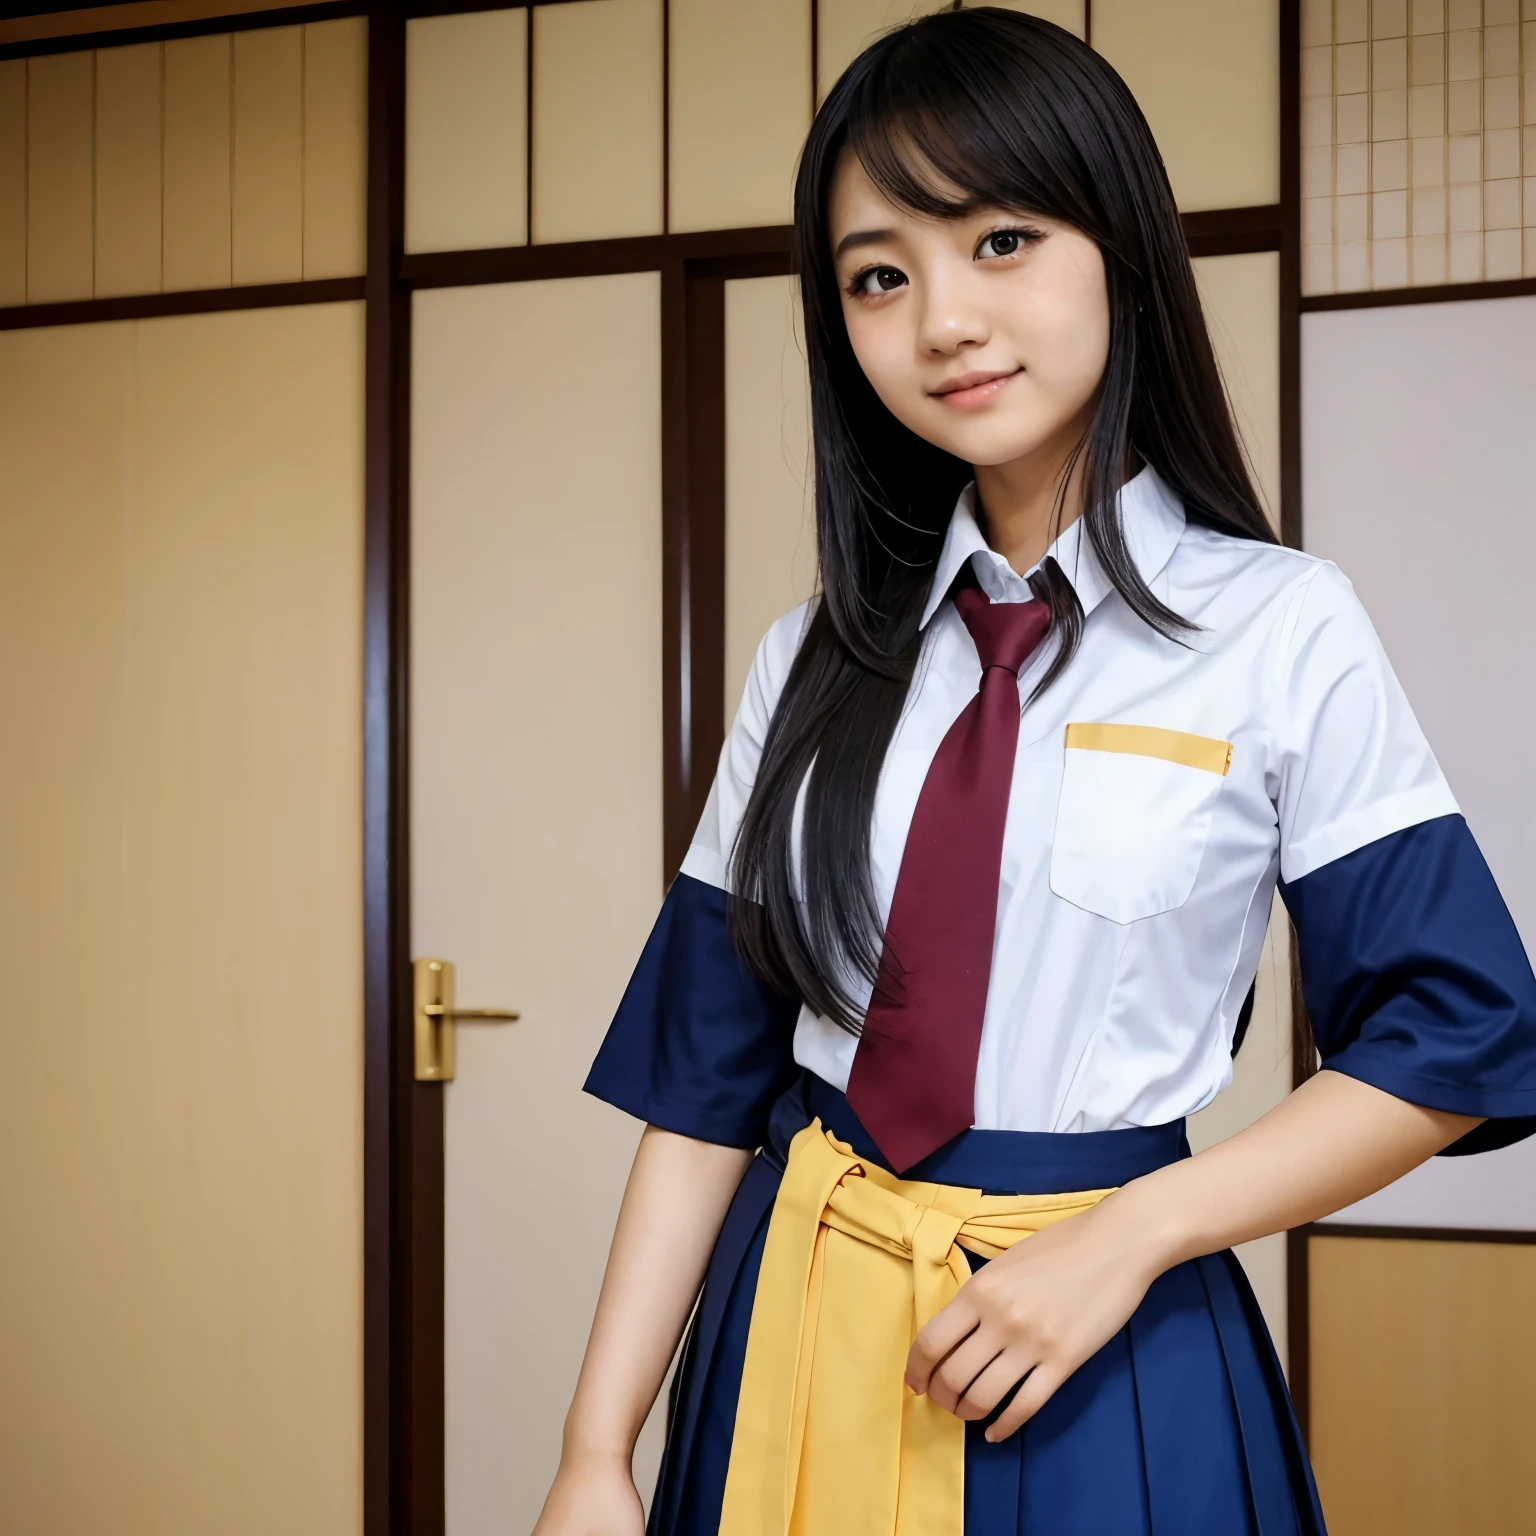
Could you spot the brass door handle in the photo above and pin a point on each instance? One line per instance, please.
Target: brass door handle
(435, 1018)
(486, 1015)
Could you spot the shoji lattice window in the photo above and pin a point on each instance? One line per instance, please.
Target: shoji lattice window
(1418, 132)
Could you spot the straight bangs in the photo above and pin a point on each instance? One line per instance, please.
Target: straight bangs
(942, 140)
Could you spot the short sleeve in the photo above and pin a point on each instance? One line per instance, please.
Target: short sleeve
(1416, 981)
(1414, 975)
(1350, 763)
(700, 1045)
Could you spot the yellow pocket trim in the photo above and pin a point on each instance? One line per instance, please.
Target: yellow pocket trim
(1204, 752)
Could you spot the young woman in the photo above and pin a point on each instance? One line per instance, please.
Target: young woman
(968, 925)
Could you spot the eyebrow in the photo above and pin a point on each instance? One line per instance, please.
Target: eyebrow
(862, 237)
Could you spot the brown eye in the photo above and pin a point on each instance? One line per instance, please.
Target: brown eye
(1007, 242)
(879, 280)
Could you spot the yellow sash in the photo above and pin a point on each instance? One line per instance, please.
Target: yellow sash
(829, 1439)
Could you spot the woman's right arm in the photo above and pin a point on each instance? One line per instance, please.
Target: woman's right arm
(676, 1199)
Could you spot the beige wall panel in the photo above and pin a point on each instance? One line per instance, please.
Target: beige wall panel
(466, 131)
(1423, 1368)
(597, 119)
(59, 111)
(67, 1203)
(335, 147)
(536, 820)
(197, 168)
(770, 519)
(741, 104)
(268, 203)
(1241, 296)
(128, 170)
(1261, 1078)
(13, 181)
(180, 616)
(1207, 75)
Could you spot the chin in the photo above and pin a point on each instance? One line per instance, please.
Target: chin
(986, 449)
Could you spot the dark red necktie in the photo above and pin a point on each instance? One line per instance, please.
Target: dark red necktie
(913, 1083)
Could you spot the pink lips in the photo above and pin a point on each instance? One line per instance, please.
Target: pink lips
(972, 390)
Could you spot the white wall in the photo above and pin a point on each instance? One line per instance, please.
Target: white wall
(1419, 479)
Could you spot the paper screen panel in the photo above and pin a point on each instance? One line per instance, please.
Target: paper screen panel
(335, 147)
(1418, 134)
(1241, 299)
(128, 155)
(13, 181)
(1417, 481)
(181, 615)
(268, 156)
(597, 119)
(536, 861)
(770, 525)
(740, 92)
(1207, 75)
(466, 131)
(197, 169)
(60, 259)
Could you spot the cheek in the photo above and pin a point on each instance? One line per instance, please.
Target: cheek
(1071, 342)
(884, 352)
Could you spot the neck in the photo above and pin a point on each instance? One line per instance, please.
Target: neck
(1025, 505)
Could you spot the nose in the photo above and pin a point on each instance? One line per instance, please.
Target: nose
(951, 318)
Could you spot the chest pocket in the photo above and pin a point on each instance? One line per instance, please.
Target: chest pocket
(1134, 817)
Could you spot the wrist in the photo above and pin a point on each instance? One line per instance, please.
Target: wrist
(591, 1446)
(1147, 1229)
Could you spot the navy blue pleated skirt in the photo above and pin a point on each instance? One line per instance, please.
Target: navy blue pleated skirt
(1180, 1426)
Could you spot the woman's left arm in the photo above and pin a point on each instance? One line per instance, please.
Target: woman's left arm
(1046, 1305)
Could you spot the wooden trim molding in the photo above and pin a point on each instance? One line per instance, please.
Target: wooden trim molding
(593, 258)
(394, 1201)
(1421, 1234)
(194, 301)
(75, 30)
(1234, 231)
(1447, 293)
(415, 8)
(128, 27)
(693, 524)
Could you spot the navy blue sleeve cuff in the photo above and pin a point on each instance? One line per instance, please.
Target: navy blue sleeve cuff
(699, 1045)
(1416, 980)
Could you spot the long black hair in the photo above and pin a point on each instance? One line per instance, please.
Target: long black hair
(957, 111)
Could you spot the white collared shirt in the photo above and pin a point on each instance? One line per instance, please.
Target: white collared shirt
(1137, 876)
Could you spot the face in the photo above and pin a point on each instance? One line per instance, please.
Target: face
(987, 335)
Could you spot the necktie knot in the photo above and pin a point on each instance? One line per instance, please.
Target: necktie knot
(1006, 634)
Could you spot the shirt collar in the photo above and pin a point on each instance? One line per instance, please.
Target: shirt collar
(1149, 511)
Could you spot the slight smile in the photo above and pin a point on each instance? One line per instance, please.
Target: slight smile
(973, 390)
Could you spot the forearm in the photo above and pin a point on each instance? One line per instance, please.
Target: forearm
(676, 1198)
(1331, 1142)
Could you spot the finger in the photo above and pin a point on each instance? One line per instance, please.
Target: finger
(992, 1385)
(937, 1341)
(962, 1366)
(1036, 1392)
